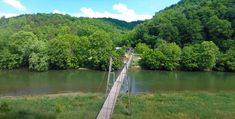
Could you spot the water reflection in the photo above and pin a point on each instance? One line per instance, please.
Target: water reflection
(24, 82)
(153, 81)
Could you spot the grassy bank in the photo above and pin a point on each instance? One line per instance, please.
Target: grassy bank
(183, 105)
(65, 106)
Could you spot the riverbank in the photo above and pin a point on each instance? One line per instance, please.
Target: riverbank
(163, 105)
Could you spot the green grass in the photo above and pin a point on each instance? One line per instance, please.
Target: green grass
(51, 107)
(165, 105)
(186, 105)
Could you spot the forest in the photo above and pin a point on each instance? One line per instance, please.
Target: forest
(51, 41)
(192, 35)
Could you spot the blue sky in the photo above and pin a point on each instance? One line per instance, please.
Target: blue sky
(128, 10)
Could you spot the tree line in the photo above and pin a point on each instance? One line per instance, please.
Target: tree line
(63, 52)
(42, 42)
(189, 22)
(190, 35)
(203, 56)
(196, 35)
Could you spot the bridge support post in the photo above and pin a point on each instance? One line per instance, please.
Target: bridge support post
(129, 96)
(108, 80)
(128, 93)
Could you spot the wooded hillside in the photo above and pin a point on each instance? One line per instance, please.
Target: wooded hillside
(203, 29)
(54, 41)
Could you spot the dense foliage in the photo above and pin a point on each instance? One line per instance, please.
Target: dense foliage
(200, 56)
(165, 57)
(122, 24)
(191, 35)
(203, 29)
(52, 41)
(189, 22)
(204, 57)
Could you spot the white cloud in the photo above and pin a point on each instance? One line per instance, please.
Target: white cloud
(58, 12)
(121, 8)
(16, 4)
(123, 13)
(7, 15)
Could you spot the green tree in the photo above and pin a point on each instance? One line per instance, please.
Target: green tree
(8, 60)
(141, 35)
(160, 42)
(117, 60)
(153, 59)
(142, 48)
(172, 52)
(59, 54)
(165, 57)
(230, 60)
(200, 56)
(38, 62)
(100, 50)
(81, 50)
(208, 55)
(227, 44)
(219, 29)
(75, 49)
(169, 33)
(23, 44)
(189, 58)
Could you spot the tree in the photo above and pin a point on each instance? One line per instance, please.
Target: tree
(140, 35)
(165, 57)
(8, 60)
(208, 55)
(194, 31)
(230, 60)
(75, 48)
(189, 22)
(100, 50)
(23, 44)
(66, 42)
(81, 51)
(189, 58)
(153, 59)
(38, 62)
(160, 42)
(219, 29)
(4, 38)
(227, 44)
(200, 56)
(169, 33)
(190, 31)
(117, 60)
(59, 54)
(142, 48)
(172, 52)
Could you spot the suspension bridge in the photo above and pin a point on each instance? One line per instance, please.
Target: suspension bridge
(110, 102)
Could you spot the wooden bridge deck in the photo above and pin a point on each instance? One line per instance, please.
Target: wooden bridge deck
(110, 102)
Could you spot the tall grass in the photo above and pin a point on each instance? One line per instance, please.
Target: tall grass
(165, 105)
(50, 107)
(186, 105)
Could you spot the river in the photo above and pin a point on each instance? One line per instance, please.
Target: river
(23, 82)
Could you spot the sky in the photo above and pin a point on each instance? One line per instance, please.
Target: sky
(127, 10)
